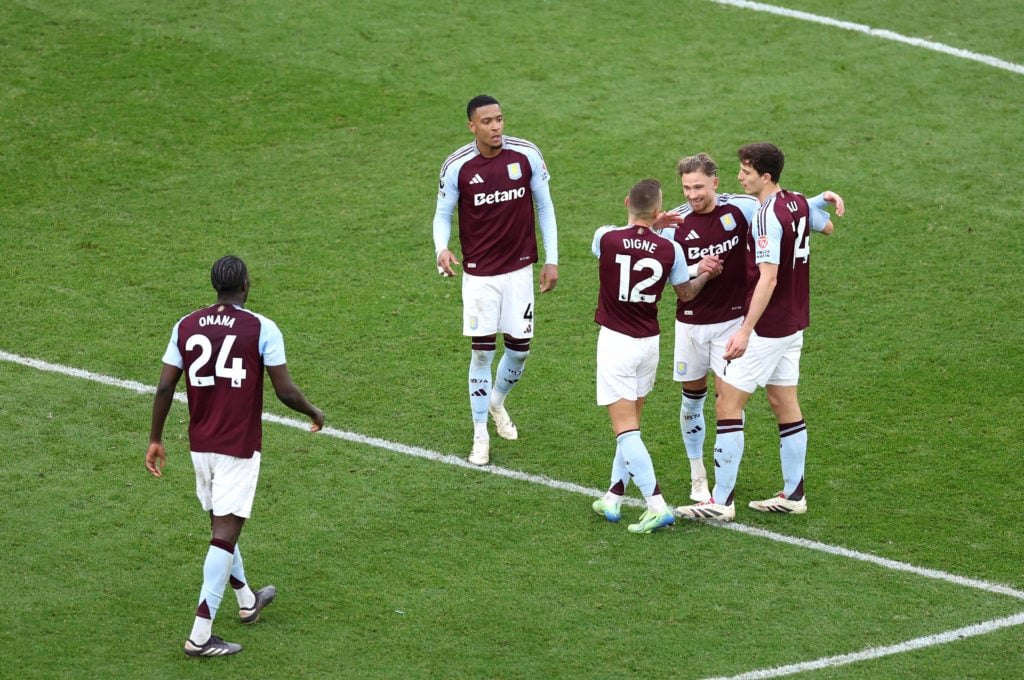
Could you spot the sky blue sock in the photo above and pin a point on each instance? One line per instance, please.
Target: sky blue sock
(638, 461)
(510, 370)
(216, 570)
(480, 383)
(728, 454)
(619, 471)
(792, 454)
(691, 423)
(246, 598)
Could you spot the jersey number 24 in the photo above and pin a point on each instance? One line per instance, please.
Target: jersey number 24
(235, 372)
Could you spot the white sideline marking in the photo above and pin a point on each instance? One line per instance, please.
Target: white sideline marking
(878, 652)
(876, 32)
(826, 662)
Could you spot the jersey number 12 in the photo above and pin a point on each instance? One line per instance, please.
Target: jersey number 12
(636, 292)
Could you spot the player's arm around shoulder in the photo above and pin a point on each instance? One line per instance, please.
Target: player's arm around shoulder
(747, 204)
(818, 204)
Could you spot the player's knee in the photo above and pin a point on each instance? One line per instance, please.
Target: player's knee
(518, 345)
(482, 358)
(693, 401)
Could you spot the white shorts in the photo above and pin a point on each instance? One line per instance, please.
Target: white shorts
(226, 484)
(699, 348)
(767, 361)
(498, 304)
(626, 366)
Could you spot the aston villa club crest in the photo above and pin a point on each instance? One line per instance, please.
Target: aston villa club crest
(514, 171)
(728, 222)
(474, 323)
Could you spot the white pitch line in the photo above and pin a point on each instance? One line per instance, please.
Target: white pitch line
(876, 32)
(827, 662)
(541, 480)
(878, 652)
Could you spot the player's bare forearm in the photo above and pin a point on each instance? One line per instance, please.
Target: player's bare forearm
(292, 397)
(162, 401)
(161, 407)
(689, 290)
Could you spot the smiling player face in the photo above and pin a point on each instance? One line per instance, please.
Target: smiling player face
(699, 190)
(488, 125)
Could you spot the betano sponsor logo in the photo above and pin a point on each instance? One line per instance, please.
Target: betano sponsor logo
(693, 253)
(499, 196)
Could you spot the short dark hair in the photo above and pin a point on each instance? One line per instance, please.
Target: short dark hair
(477, 102)
(699, 163)
(643, 197)
(228, 274)
(764, 157)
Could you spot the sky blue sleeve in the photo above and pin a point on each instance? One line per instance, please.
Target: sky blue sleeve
(773, 253)
(447, 198)
(679, 272)
(545, 208)
(172, 355)
(595, 247)
(819, 217)
(271, 342)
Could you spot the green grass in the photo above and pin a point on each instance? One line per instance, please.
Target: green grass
(143, 141)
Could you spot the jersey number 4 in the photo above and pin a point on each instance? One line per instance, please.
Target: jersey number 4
(636, 292)
(801, 248)
(235, 372)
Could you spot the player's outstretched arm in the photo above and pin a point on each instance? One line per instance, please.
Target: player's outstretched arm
(292, 397)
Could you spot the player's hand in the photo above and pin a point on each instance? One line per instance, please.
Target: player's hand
(318, 420)
(666, 220)
(737, 345)
(710, 265)
(836, 200)
(548, 277)
(445, 260)
(155, 453)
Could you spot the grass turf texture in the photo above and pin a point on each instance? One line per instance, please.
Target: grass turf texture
(146, 141)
